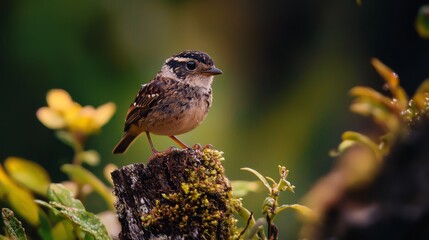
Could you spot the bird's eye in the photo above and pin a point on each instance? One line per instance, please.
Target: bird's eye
(191, 65)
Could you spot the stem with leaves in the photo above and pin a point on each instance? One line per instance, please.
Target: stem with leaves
(271, 206)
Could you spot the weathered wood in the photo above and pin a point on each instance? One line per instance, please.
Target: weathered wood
(180, 194)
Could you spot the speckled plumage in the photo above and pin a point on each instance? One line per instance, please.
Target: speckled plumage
(171, 107)
(174, 102)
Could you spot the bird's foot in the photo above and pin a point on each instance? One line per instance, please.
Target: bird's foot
(196, 146)
(170, 149)
(209, 146)
(199, 147)
(154, 155)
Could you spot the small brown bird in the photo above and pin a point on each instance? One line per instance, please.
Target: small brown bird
(174, 102)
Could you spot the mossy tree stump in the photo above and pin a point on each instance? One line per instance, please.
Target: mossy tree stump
(180, 194)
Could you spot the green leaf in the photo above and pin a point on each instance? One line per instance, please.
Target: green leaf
(28, 173)
(20, 199)
(379, 113)
(91, 157)
(13, 226)
(83, 176)
(108, 169)
(89, 237)
(64, 229)
(420, 98)
(242, 188)
(62, 201)
(23, 204)
(47, 205)
(256, 229)
(268, 205)
(343, 146)
(392, 83)
(303, 210)
(86, 221)
(285, 185)
(67, 138)
(44, 230)
(60, 194)
(261, 178)
(247, 216)
(422, 22)
(374, 96)
(366, 141)
(283, 172)
(273, 182)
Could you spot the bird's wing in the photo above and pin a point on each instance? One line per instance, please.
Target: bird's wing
(148, 95)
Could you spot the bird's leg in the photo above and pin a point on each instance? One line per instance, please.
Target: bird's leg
(198, 146)
(180, 143)
(151, 144)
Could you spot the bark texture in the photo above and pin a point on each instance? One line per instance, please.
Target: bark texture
(180, 194)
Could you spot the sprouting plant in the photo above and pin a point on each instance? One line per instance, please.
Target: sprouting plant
(74, 123)
(13, 227)
(22, 181)
(395, 114)
(422, 22)
(362, 155)
(270, 207)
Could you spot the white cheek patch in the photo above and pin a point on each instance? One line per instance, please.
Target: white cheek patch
(167, 72)
(200, 81)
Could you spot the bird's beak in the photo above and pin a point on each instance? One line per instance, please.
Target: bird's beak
(212, 71)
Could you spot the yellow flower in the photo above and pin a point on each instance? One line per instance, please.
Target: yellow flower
(63, 113)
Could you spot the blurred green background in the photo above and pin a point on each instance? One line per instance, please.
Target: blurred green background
(282, 99)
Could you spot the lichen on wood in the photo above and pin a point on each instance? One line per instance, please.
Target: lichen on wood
(180, 194)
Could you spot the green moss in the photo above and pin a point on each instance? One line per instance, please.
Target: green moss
(203, 201)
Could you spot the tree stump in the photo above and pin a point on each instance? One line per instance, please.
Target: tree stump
(394, 206)
(180, 194)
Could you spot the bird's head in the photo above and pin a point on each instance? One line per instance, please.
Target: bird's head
(193, 67)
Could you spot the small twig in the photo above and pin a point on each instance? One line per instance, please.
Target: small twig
(257, 229)
(247, 225)
(273, 232)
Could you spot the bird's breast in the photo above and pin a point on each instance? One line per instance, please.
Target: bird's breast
(176, 117)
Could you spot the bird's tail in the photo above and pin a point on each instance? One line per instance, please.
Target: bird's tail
(124, 143)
